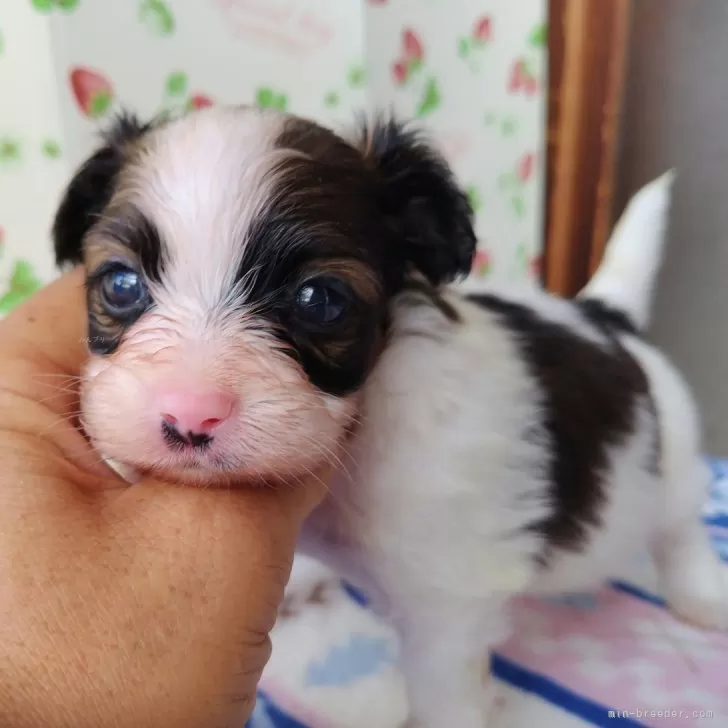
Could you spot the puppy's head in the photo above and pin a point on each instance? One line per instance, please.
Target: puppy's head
(240, 265)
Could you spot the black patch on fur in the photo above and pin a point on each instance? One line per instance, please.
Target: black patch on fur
(431, 212)
(135, 231)
(105, 332)
(126, 240)
(322, 218)
(591, 394)
(602, 315)
(102, 340)
(92, 187)
(374, 212)
(434, 298)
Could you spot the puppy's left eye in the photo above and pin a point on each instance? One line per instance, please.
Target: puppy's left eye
(322, 301)
(123, 292)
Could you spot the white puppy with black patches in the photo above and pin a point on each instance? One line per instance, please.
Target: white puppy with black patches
(258, 287)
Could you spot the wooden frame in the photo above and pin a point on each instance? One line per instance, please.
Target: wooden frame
(588, 49)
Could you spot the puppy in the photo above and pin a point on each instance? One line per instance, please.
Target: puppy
(258, 286)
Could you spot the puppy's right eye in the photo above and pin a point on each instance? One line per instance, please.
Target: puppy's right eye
(322, 302)
(123, 293)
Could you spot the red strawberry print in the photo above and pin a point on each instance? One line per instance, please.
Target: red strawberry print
(524, 168)
(535, 266)
(521, 79)
(517, 77)
(481, 262)
(413, 49)
(482, 29)
(199, 101)
(400, 71)
(93, 92)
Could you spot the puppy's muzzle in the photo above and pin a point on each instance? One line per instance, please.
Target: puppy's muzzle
(191, 419)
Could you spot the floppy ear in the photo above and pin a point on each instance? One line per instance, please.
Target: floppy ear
(431, 213)
(91, 188)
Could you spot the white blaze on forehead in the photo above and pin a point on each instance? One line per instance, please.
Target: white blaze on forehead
(202, 181)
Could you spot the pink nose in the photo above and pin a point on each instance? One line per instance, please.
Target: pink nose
(195, 412)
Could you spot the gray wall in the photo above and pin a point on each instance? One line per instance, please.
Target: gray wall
(677, 115)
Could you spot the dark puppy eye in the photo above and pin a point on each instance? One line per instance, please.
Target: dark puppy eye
(123, 292)
(322, 301)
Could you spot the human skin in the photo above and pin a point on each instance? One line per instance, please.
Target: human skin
(141, 606)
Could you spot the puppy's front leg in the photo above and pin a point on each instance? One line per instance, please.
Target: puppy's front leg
(445, 656)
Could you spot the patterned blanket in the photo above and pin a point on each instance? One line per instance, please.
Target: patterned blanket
(612, 658)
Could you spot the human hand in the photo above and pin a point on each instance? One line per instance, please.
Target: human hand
(141, 606)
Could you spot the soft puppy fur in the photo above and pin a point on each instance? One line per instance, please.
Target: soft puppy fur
(229, 219)
(258, 286)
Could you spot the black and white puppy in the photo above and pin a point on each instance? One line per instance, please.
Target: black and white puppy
(258, 286)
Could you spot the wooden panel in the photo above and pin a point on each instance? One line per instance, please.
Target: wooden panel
(588, 46)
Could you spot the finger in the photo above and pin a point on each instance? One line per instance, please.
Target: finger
(49, 329)
(43, 351)
(43, 347)
(302, 497)
(281, 501)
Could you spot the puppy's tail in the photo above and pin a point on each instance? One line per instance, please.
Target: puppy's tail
(620, 292)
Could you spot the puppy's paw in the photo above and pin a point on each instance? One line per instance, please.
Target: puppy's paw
(310, 583)
(705, 604)
(696, 588)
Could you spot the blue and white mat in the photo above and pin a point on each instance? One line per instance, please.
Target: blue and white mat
(614, 658)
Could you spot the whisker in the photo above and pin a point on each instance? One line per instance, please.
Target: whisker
(57, 375)
(56, 395)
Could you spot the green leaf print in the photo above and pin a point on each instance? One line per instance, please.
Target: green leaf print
(42, 6)
(176, 84)
(476, 202)
(463, 47)
(539, 36)
(332, 99)
(280, 102)
(24, 277)
(519, 206)
(356, 78)
(67, 5)
(414, 65)
(157, 16)
(9, 150)
(509, 127)
(264, 98)
(100, 104)
(51, 149)
(430, 99)
(47, 6)
(23, 283)
(527, 67)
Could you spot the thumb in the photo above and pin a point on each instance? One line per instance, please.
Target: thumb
(47, 333)
(43, 349)
(281, 504)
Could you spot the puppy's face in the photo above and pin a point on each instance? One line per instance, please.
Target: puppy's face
(239, 266)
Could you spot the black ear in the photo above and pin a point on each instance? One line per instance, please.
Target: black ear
(91, 188)
(432, 214)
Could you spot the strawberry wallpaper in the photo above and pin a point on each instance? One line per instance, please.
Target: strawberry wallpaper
(471, 71)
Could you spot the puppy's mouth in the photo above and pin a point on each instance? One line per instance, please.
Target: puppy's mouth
(199, 466)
